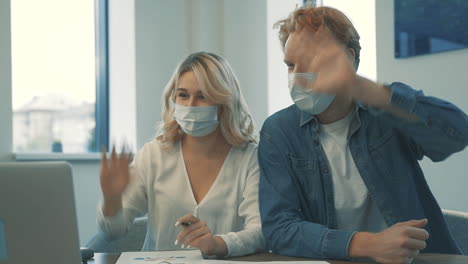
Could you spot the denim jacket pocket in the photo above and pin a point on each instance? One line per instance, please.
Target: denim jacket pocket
(304, 171)
(381, 141)
(302, 164)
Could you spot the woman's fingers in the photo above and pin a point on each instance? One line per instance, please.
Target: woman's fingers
(123, 157)
(118, 162)
(103, 158)
(181, 237)
(187, 219)
(189, 223)
(116, 167)
(191, 237)
(113, 159)
(122, 162)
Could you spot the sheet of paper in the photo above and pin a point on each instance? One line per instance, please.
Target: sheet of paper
(187, 257)
(161, 257)
(269, 262)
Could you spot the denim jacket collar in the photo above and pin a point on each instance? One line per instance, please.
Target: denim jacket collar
(307, 117)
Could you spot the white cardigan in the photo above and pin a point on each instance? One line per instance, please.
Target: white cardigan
(159, 186)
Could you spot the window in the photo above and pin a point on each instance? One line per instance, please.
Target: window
(59, 75)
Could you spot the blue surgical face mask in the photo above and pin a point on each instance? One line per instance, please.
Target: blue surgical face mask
(308, 101)
(196, 121)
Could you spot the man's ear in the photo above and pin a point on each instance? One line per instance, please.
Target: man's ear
(352, 56)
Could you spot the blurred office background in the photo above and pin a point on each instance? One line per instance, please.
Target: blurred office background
(56, 102)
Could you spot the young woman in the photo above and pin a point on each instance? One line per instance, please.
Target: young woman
(198, 180)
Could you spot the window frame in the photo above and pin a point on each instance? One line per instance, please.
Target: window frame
(102, 75)
(101, 21)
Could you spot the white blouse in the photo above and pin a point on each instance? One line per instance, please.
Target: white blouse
(159, 185)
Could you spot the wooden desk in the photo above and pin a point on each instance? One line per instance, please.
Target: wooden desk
(101, 258)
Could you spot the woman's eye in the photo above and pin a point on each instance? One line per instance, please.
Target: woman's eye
(202, 97)
(183, 95)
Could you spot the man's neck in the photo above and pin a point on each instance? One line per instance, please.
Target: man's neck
(339, 109)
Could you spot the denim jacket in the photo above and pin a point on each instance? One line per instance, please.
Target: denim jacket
(296, 190)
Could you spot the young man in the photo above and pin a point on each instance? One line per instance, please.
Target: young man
(339, 169)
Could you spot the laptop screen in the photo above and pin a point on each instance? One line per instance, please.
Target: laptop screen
(37, 213)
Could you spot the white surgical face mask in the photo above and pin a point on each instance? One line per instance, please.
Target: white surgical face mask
(196, 121)
(308, 101)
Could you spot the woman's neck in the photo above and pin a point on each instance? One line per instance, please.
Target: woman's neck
(212, 144)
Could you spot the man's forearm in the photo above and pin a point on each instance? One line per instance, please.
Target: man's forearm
(378, 96)
(371, 93)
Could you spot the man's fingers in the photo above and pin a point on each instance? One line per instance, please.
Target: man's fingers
(324, 36)
(415, 244)
(418, 223)
(414, 229)
(413, 253)
(417, 233)
(415, 223)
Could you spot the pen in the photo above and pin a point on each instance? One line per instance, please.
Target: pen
(185, 224)
(195, 213)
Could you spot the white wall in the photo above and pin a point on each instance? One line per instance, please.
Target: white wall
(205, 30)
(6, 127)
(442, 75)
(122, 73)
(167, 31)
(161, 42)
(245, 47)
(363, 18)
(278, 91)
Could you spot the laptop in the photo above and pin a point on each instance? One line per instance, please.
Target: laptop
(37, 214)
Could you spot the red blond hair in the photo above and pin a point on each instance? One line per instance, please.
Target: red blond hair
(312, 18)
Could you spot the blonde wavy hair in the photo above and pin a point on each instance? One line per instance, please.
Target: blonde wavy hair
(219, 85)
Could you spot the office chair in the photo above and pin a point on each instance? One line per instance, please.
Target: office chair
(458, 225)
(132, 241)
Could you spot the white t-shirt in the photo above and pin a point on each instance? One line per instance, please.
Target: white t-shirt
(355, 208)
(160, 186)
